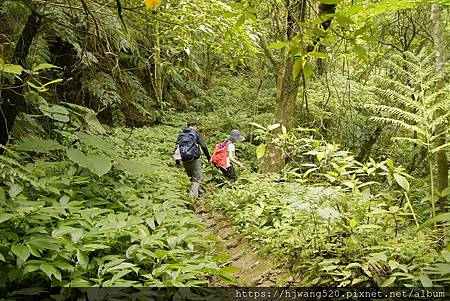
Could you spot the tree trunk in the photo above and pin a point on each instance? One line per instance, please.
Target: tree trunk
(12, 99)
(324, 9)
(158, 85)
(209, 68)
(287, 90)
(441, 156)
(288, 83)
(364, 154)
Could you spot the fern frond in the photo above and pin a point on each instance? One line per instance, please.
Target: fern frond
(412, 140)
(394, 96)
(394, 111)
(103, 87)
(443, 119)
(393, 84)
(400, 123)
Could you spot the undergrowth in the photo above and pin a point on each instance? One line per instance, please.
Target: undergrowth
(85, 209)
(336, 222)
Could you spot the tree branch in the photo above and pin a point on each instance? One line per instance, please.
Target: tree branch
(267, 51)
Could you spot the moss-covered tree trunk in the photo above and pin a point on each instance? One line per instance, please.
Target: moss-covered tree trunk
(288, 81)
(441, 156)
(287, 91)
(12, 99)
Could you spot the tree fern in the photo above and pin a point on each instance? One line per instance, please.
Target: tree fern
(408, 99)
(103, 87)
(420, 111)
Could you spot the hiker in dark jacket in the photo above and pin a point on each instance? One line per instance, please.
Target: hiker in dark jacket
(190, 156)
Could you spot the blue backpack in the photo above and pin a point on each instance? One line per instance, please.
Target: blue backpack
(187, 142)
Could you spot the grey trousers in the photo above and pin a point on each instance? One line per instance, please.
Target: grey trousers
(194, 171)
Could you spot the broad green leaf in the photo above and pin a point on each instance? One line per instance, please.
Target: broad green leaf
(97, 142)
(228, 278)
(55, 112)
(239, 22)
(441, 268)
(393, 264)
(93, 247)
(379, 256)
(10, 68)
(151, 223)
(273, 127)
(93, 122)
(260, 150)
(50, 270)
(390, 164)
(83, 259)
(30, 268)
(297, 68)
(278, 44)
(38, 145)
(98, 164)
(359, 280)
(401, 180)
(160, 253)
(64, 200)
(319, 55)
(2, 195)
(344, 21)
(446, 254)
(133, 167)
(229, 269)
(5, 217)
(33, 251)
(257, 125)
(15, 190)
(389, 281)
(121, 266)
(44, 66)
(308, 70)
(425, 280)
(360, 51)
(20, 251)
(446, 191)
(42, 243)
(120, 275)
(445, 217)
(62, 265)
(2, 258)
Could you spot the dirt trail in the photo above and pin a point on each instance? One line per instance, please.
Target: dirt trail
(255, 270)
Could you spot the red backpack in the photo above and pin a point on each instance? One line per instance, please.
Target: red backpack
(219, 157)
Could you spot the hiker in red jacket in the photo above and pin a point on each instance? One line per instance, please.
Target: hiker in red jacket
(224, 155)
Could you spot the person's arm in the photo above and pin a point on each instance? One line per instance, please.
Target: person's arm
(202, 144)
(177, 162)
(234, 160)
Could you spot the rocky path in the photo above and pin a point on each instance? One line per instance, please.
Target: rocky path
(252, 269)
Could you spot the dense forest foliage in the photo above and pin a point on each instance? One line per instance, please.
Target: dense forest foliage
(344, 106)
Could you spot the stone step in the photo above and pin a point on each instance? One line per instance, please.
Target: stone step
(246, 262)
(224, 233)
(254, 275)
(233, 243)
(235, 250)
